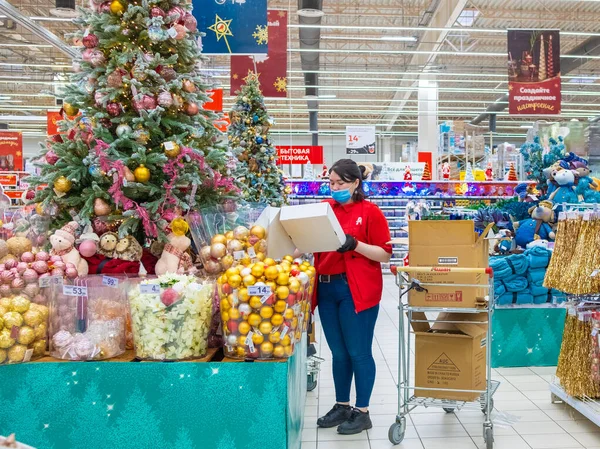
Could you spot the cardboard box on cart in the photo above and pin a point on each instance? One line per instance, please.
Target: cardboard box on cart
(443, 245)
(451, 356)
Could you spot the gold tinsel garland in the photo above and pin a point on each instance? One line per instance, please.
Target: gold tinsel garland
(567, 234)
(578, 272)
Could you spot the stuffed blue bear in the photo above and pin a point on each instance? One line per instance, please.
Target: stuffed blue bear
(536, 227)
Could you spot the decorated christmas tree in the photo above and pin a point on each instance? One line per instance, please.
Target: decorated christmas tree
(469, 175)
(143, 150)
(512, 173)
(536, 159)
(260, 178)
(426, 173)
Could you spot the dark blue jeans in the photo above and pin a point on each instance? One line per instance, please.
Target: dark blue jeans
(350, 337)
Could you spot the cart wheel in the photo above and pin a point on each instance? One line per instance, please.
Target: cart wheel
(483, 410)
(488, 436)
(397, 431)
(449, 409)
(311, 383)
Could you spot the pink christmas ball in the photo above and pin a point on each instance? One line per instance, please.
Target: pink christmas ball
(30, 275)
(71, 272)
(21, 267)
(6, 277)
(55, 258)
(11, 263)
(2, 267)
(31, 290)
(40, 299)
(157, 12)
(27, 257)
(44, 275)
(190, 23)
(169, 296)
(105, 7)
(17, 285)
(90, 41)
(99, 98)
(60, 264)
(5, 290)
(149, 102)
(40, 266)
(58, 272)
(165, 99)
(42, 255)
(114, 109)
(14, 271)
(86, 55)
(51, 157)
(88, 248)
(97, 58)
(180, 31)
(176, 14)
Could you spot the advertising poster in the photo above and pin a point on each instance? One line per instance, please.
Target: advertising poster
(534, 72)
(298, 154)
(11, 151)
(360, 140)
(232, 27)
(394, 171)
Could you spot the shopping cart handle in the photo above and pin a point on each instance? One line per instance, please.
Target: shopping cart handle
(487, 271)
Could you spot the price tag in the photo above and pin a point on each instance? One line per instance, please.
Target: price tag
(169, 145)
(237, 255)
(28, 355)
(594, 332)
(236, 300)
(150, 289)
(47, 281)
(572, 311)
(284, 332)
(172, 32)
(110, 281)
(74, 290)
(265, 298)
(249, 338)
(259, 290)
(251, 252)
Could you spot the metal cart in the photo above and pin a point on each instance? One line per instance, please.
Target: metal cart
(407, 401)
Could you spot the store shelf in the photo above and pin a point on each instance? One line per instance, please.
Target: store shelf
(589, 408)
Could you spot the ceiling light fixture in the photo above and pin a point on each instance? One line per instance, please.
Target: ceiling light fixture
(21, 64)
(382, 38)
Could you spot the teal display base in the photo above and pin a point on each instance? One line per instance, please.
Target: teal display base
(527, 336)
(128, 405)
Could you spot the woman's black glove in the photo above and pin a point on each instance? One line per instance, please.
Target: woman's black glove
(350, 245)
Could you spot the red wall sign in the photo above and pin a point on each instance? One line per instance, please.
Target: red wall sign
(299, 154)
(11, 151)
(216, 96)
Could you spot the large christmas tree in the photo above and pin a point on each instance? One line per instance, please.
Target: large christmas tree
(143, 149)
(257, 172)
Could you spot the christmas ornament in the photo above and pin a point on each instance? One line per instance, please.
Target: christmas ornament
(70, 110)
(177, 101)
(90, 41)
(86, 55)
(156, 33)
(180, 32)
(116, 7)
(95, 171)
(142, 174)
(141, 136)
(101, 207)
(99, 98)
(179, 226)
(62, 184)
(51, 157)
(176, 14)
(168, 73)
(218, 250)
(115, 79)
(259, 140)
(191, 108)
(123, 129)
(128, 175)
(97, 58)
(172, 149)
(148, 102)
(139, 73)
(155, 11)
(88, 248)
(190, 23)
(188, 86)
(165, 99)
(113, 109)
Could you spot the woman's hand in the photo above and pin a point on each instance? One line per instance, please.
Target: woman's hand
(349, 245)
(372, 252)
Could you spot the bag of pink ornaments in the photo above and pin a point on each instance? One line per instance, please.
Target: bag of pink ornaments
(87, 318)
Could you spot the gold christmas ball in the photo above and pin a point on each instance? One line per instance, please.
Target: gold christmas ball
(188, 86)
(116, 7)
(39, 209)
(172, 149)
(62, 184)
(101, 207)
(70, 110)
(17, 353)
(179, 226)
(142, 174)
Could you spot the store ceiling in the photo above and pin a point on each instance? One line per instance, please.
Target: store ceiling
(367, 75)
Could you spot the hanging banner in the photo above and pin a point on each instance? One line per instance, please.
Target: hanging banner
(534, 72)
(53, 118)
(11, 151)
(216, 95)
(272, 68)
(299, 154)
(232, 26)
(360, 140)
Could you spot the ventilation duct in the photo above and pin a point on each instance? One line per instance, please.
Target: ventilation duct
(64, 8)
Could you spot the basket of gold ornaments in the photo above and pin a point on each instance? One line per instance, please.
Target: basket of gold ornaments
(87, 319)
(263, 307)
(240, 245)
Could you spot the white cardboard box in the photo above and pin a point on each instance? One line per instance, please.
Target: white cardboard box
(313, 228)
(279, 243)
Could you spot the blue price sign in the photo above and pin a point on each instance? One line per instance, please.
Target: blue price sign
(74, 290)
(110, 281)
(150, 289)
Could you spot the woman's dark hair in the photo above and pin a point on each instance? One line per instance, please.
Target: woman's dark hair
(350, 171)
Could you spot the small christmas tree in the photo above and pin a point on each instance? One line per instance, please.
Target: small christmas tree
(309, 172)
(426, 173)
(512, 173)
(143, 150)
(469, 175)
(258, 174)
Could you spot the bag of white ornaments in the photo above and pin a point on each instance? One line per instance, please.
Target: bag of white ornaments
(88, 318)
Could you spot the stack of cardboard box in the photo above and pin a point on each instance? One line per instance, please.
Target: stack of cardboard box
(449, 355)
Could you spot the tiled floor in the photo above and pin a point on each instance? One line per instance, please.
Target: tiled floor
(526, 419)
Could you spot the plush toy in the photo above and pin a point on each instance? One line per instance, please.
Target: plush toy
(174, 258)
(586, 186)
(63, 244)
(549, 175)
(129, 249)
(324, 172)
(407, 174)
(505, 243)
(536, 227)
(366, 170)
(446, 170)
(539, 242)
(565, 193)
(489, 172)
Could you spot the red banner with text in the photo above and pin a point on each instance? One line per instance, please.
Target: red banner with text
(299, 154)
(534, 85)
(11, 151)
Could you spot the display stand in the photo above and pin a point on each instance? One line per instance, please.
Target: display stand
(124, 404)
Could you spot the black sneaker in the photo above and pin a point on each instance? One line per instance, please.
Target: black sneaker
(356, 423)
(336, 416)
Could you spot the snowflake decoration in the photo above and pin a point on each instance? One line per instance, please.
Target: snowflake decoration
(280, 84)
(261, 35)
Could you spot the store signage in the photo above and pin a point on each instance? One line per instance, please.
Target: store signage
(272, 69)
(216, 95)
(223, 123)
(53, 119)
(8, 179)
(360, 140)
(534, 85)
(394, 171)
(232, 26)
(11, 151)
(299, 154)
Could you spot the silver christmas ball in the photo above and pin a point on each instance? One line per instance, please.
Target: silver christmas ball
(123, 129)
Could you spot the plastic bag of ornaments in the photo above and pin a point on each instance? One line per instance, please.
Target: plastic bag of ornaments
(596, 346)
(22, 231)
(223, 238)
(88, 318)
(171, 317)
(264, 306)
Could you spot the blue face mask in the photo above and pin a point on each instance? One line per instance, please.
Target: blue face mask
(341, 196)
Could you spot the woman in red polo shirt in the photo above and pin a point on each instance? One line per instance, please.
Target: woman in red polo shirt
(348, 295)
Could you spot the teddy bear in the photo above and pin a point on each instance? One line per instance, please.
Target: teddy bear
(536, 227)
(63, 245)
(505, 243)
(550, 182)
(174, 258)
(565, 193)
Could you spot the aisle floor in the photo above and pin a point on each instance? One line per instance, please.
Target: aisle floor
(526, 419)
